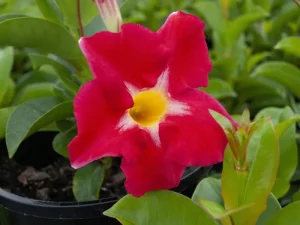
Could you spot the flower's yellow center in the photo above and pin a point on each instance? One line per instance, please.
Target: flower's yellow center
(149, 107)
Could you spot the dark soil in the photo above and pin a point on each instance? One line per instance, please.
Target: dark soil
(53, 182)
(50, 183)
(49, 180)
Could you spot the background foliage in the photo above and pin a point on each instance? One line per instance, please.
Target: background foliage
(254, 46)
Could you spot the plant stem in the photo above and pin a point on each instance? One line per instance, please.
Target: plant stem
(297, 2)
(79, 19)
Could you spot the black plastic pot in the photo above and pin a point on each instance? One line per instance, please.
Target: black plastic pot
(16, 210)
(22, 211)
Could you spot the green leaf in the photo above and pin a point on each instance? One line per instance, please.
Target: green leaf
(296, 196)
(62, 140)
(88, 181)
(263, 170)
(281, 72)
(208, 189)
(273, 207)
(222, 121)
(241, 23)
(219, 89)
(212, 14)
(288, 147)
(288, 215)
(10, 16)
(255, 59)
(290, 45)
(35, 76)
(88, 11)
(159, 207)
(288, 12)
(281, 187)
(265, 4)
(65, 75)
(6, 63)
(214, 209)
(284, 119)
(49, 9)
(240, 187)
(10, 93)
(244, 86)
(4, 115)
(229, 181)
(32, 116)
(40, 35)
(32, 91)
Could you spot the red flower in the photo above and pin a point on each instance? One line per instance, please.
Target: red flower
(144, 104)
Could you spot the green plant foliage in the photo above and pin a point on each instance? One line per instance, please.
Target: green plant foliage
(33, 115)
(288, 215)
(88, 181)
(288, 147)
(39, 34)
(163, 207)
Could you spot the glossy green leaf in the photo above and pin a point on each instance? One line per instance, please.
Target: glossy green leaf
(159, 207)
(224, 122)
(226, 217)
(288, 11)
(4, 115)
(88, 181)
(6, 63)
(263, 158)
(281, 187)
(32, 91)
(10, 16)
(49, 9)
(32, 116)
(296, 196)
(65, 75)
(214, 209)
(265, 4)
(208, 189)
(63, 92)
(290, 45)
(288, 147)
(39, 34)
(229, 182)
(281, 72)
(10, 93)
(62, 140)
(240, 24)
(255, 59)
(219, 89)
(66, 124)
(35, 76)
(273, 207)
(288, 215)
(284, 121)
(88, 11)
(263, 87)
(212, 14)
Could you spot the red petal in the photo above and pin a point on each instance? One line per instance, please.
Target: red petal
(189, 64)
(195, 139)
(151, 172)
(98, 111)
(136, 53)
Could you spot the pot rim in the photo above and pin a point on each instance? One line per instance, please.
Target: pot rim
(76, 210)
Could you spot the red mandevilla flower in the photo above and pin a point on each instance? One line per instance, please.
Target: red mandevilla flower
(144, 104)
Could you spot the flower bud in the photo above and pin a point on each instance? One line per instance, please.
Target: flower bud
(110, 13)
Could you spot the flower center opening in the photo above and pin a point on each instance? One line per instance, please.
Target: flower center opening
(149, 107)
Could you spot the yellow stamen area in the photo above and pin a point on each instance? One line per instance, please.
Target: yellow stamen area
(149, 107)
